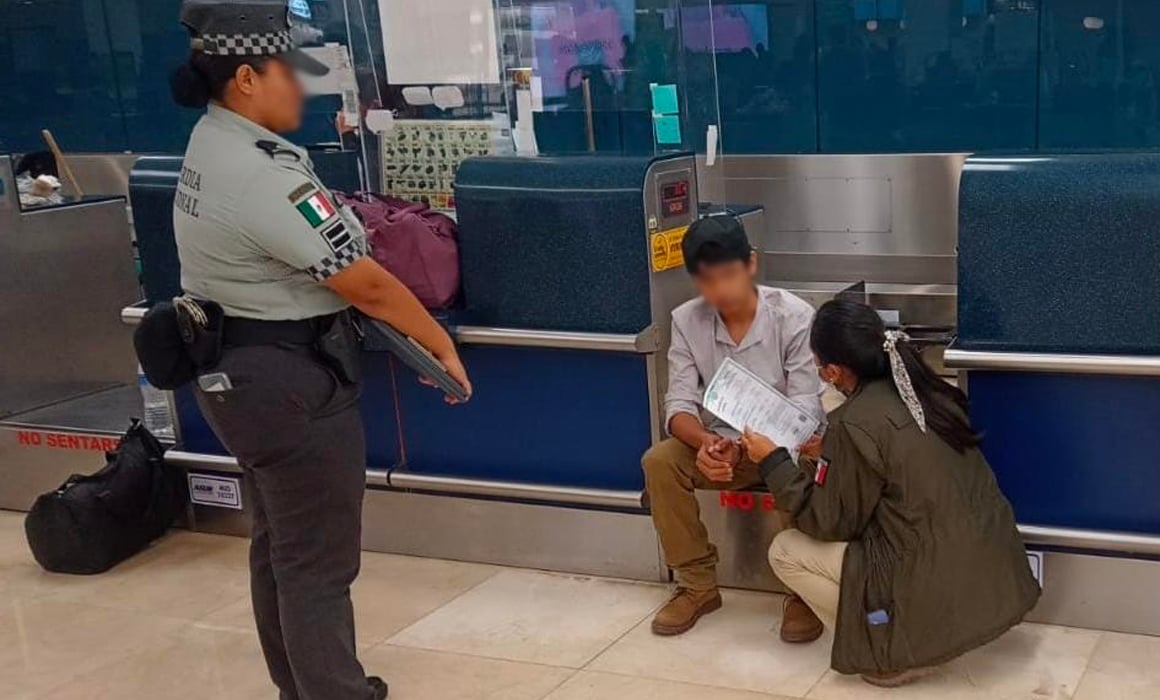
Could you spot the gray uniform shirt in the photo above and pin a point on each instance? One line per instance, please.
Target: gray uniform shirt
(776, 348)
(256, 230)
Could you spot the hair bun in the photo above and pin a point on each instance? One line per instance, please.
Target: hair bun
(189, 86)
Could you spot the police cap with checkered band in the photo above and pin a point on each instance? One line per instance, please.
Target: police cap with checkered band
(252, 28)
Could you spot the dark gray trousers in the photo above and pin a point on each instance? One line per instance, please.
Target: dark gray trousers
(297, 434)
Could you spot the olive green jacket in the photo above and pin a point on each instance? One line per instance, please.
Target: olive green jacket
(935, 566)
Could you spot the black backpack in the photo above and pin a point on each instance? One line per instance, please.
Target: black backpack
(91, 523)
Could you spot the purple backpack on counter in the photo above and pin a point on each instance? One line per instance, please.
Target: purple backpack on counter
(414, 243)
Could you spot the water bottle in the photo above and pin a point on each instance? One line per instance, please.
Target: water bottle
(158, 419)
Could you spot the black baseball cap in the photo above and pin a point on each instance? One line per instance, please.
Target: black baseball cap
(715, 239)
(249, 28)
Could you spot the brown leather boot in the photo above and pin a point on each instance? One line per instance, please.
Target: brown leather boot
(897, 679)
(683, 610)
(799, 624)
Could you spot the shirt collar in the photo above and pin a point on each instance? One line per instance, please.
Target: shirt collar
(232, 119)
(758, 330)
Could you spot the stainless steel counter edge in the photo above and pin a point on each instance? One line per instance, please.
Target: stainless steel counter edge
(647, 341)
(222, 463)
(446, 484)
(1124, 365)
(1095, 540)
(516, 490)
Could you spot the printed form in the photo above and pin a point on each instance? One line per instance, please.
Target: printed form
(741, 399)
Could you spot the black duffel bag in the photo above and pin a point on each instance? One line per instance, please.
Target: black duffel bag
(91, 523)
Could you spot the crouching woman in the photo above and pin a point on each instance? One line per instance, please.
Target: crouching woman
(902, 542)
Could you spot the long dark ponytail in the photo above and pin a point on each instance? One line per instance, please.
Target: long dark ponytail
(852, 335)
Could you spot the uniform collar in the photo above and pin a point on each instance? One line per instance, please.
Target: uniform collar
(234, 120)
(758, 330)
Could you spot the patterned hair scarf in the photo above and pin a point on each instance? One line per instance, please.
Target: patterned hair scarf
(902, 377)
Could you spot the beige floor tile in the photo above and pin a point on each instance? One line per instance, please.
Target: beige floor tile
(1123, 667)
(591, 685)
(416, 674)
(537, 617)
(390, 593)
(1031, 662)
(184, 575)
(735, 647)
(44, 641)
(196, 665)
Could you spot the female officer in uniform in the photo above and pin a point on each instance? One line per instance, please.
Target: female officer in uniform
(259, 234)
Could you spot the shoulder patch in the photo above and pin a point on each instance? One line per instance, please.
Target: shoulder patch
(336, 236)
(315, 207)
(301, 191)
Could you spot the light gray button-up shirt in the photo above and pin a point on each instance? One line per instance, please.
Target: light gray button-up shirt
(256, 230)
(776, 348)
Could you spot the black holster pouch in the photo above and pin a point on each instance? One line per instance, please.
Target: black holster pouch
(173, 346)
(338, 345)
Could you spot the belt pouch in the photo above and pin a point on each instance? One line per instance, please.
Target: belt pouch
(339, 348)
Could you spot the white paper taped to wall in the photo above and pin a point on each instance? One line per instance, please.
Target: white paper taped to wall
(445, 41)
(447, 96)
(380, 121)
(418, 96)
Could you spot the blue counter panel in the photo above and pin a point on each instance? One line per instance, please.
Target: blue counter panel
(575, 418)
(1060, 253)
(378, 413)
(1073, 451)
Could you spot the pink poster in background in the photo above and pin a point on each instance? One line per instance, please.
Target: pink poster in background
(726, 30)
(582, 33)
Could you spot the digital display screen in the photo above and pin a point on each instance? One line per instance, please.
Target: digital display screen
(675, 199)
(675, 189)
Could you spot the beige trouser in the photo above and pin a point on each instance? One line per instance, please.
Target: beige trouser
(812, 569)
(671, 479)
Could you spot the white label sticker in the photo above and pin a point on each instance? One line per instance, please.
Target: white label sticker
(1035, 559)
(216, 491)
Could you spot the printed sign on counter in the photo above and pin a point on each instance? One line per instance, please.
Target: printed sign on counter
(1035, 559)
(666, 249)
(215, 491)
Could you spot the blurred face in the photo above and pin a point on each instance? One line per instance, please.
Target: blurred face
(727, 286)
(274, 97)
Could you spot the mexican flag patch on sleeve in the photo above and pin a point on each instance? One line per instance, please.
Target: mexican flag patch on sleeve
(316, 209)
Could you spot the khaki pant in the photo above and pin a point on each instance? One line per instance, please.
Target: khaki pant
(671, 479)
(810, 568)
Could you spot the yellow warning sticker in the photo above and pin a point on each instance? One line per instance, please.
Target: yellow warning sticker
(666, 249)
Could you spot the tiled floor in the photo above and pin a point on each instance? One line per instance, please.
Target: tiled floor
(174, 624)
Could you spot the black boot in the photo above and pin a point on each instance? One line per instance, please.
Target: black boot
(379, 686)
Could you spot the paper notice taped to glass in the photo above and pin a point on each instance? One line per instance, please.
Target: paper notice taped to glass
(741, 399)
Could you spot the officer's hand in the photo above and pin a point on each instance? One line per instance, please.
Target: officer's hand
(713, 459)
(458, 372)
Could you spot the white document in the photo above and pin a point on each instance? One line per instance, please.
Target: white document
(439, 42)
(741, 399)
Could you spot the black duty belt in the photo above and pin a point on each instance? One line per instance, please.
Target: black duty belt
(244, 332)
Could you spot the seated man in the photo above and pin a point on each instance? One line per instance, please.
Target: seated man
(767, 331)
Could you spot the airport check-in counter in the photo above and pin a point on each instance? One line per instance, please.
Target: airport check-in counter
(570, 269)
(1059, 338)
(67, 376)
